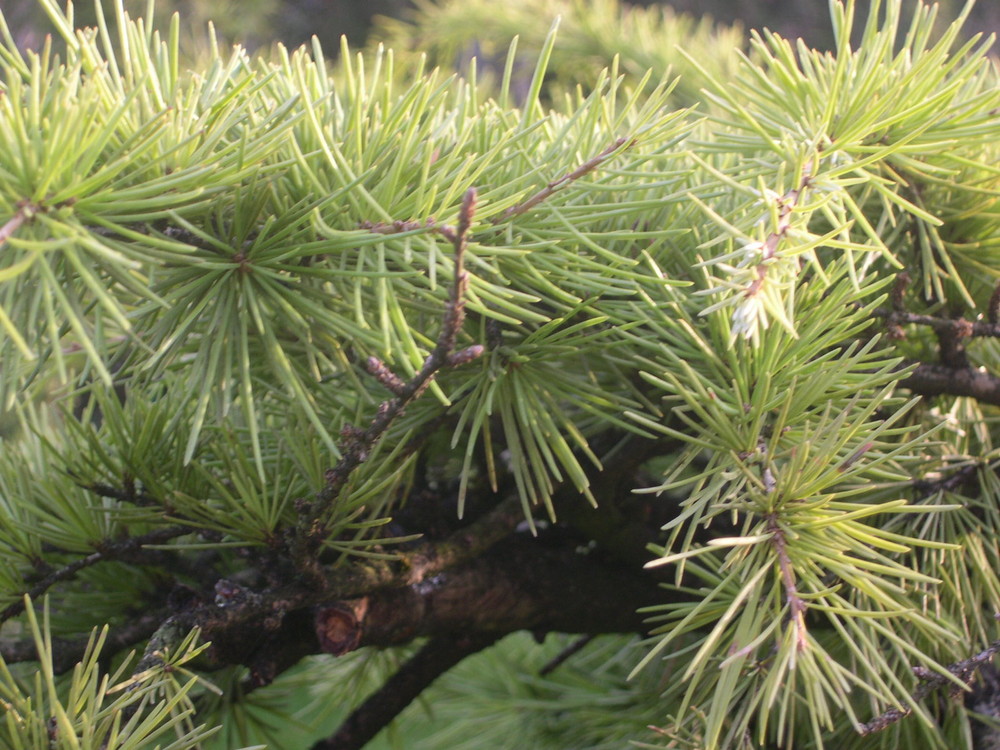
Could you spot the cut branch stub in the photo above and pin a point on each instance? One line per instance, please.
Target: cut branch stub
(338, 626)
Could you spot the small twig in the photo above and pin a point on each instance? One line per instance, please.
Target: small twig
(358, 443)
(786, 205)
(964, 670)
(566, 179)
(385, 704)
(947, 483)
(796, 604)
(958, 327)
(396, 227)
(899, 286)
(24, 212)
(574, 648)
(125, 494)
(66, 653)
(107, 551)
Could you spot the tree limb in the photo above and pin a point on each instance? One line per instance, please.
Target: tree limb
(107, 550)
(936, 380)
(433, 660)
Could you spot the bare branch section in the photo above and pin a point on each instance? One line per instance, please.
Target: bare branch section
(66, 653)
(584, 169)
(964, 670)
(13, 224)
(242, 618)
(952, 333)
(957, 326)
(936, 380)
(521, 584)
(358, 443)
(118, 550)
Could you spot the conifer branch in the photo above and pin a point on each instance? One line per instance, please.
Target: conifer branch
(796, 605)
(947, 482)
(993, 306)
(66, 652)
(358, 443)
(238, 611)
(964, 670)
(581, 171)
(107, 550)
(959, 328)
(937, 380)
(126, 494)
(14, 223)
(484, 600)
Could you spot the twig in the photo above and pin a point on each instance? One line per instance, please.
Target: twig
(125, 494)
(993, 306)
(574, 648)
(769, 248)
(357, 443)
(24, 212)
(936, 380)
(964, 670)
(948, 482)
(566, 179)
(66, 653)
(107, 551)
(432, 661)
(959, 327)
(796, 605)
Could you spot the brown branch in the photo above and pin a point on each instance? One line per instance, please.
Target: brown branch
(796, 605)
(357, 443)
(563, 656)
(936, 380)
(66, 653)
(240, 620)
(964, 670)
(107, 550)
(433, 660)
(959, 327)
(25, 211)
(556, 185)
(522, 584)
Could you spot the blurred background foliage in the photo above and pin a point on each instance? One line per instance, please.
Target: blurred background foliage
(257, 23)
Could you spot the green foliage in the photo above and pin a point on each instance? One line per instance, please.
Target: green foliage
(591, 36)
(194, 262)
(89, 710)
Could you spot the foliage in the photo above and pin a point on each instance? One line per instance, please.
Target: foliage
(591, 36)
(771, 316)
(99, 711)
